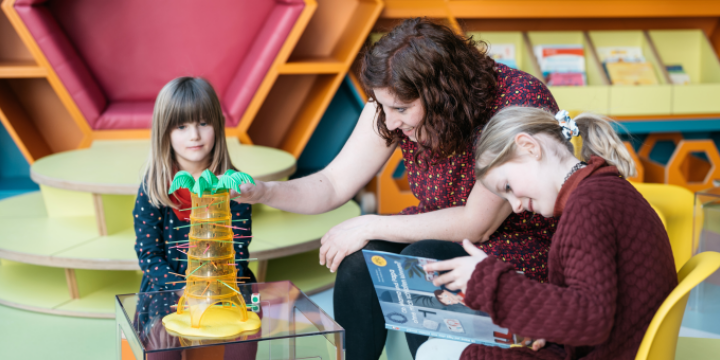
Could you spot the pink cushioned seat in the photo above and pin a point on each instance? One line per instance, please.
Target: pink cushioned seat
(114, 56)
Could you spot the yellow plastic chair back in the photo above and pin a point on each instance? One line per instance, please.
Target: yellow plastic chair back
(675, 206)
(661, 337)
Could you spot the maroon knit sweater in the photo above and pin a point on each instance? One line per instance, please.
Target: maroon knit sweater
(610, 267)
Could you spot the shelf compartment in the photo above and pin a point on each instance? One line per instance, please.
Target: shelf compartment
(44, 289)
(11, 46)
(36, 118)
(595, 97)
(350, 22)
(643, 99)
(304, 98)
(692, 50)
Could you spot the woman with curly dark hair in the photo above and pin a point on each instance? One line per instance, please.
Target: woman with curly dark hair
(431, 93)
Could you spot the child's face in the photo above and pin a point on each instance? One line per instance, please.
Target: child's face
(192, 143)
(526, 183)
(400, 115)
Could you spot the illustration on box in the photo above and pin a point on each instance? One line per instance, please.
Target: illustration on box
(411, 303)
(211, 305)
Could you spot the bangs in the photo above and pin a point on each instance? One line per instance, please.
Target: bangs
(190, 103)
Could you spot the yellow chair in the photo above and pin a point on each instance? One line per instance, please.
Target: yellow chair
(661, 337)
(674, 204)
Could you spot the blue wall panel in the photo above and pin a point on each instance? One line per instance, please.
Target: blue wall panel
(333, 130)
(14, 169)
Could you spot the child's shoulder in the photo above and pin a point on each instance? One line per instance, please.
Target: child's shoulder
(609, 193)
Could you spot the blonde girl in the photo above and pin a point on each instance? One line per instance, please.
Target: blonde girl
(188, 133)
(610, 263)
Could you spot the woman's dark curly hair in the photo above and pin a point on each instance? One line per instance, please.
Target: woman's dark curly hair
(454, 80)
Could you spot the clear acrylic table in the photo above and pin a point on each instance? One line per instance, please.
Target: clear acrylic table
(706, 237)
(293, 327)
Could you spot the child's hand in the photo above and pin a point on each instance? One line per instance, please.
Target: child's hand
(461, 268)
(534, 344)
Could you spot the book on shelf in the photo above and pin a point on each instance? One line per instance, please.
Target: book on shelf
(562, 64)
(626, 65)
(620, 53)
(677, 74)
(503, 54)
(411, 303)
(631, 73)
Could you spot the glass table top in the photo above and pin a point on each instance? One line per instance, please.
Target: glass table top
(285, 312)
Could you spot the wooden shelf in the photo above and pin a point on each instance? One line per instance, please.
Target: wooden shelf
(578, 9)
(21, 69)
(36, 119)
(314, 66)
(34, 237)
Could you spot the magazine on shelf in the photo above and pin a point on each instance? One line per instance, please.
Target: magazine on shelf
(566, 59)
(631, 73)
(677, 74)
(504, 54)
(620, 53)
(411, 303)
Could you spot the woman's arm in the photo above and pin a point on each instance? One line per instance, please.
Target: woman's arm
(475, 221)
(359, 160)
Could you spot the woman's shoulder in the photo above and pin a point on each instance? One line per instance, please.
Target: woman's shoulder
(518, 88)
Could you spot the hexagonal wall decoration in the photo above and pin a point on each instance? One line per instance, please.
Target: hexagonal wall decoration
(654, 171)
(688, 170)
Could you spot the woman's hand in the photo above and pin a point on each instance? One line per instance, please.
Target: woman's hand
(344, 239)
(251, 194)
(461, 268)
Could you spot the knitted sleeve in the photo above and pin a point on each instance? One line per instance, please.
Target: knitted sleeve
(150, 243)
(578, 312)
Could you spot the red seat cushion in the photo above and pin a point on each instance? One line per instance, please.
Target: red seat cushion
(114, 56)
(129, 115)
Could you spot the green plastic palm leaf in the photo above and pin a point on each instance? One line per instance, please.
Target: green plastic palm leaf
(182, 179)
(222, 183)
(233, 179)
(210, 178)
(200, 186)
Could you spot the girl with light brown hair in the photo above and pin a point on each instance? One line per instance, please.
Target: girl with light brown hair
(188, 133)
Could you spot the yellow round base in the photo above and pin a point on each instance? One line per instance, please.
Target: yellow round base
(217, 323)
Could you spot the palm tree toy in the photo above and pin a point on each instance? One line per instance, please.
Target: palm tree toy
(211, 305)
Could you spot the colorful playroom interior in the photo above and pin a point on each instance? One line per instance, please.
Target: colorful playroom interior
(78, 82)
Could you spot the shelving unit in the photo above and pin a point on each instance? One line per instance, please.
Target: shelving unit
(313, 72)
(79, 228)
(674, 27)
(303, 77)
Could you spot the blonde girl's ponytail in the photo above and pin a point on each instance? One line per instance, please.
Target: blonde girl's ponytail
(497, 141)
(600, 139)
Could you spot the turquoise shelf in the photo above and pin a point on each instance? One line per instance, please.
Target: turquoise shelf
(333, 130)
(14, 169)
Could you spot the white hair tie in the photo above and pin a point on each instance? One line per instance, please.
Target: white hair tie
(569, 127)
